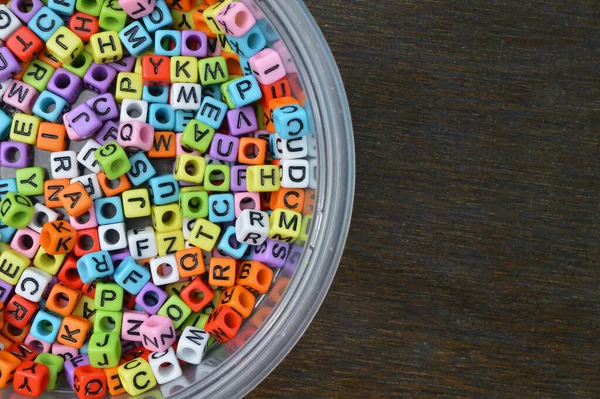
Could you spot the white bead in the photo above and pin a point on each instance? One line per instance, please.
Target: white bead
(169, 272)
(134, 110)
(90, 182)
(8, 21)
(87, 158)
(294, 173)
(188, 225)
(142, 243)
(185, 96)
(4, 86)
(192, 345)
(292, 149)
(63, 165)
(42, 215)
(32, 284)
(165, 366)
(252, 227)
(312, 182)
(112, 236)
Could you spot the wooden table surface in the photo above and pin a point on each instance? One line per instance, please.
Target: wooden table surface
(471, 268)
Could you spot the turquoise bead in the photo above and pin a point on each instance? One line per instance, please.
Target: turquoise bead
(159, 18)
(141, 169)
(163, 189)
(46, 99)
(5, 122)
(45, 326)
(44, 23)
(7, 186)
(94, 266)
(6, 232)
(249, 44)
(131, 276)
(291, 121)
(182, 118)
(221, 208)
(62, 7)
(213, 91)
(109, 210)
(244, 91)
(135, 38)
(170, 35)
(212, 112)
(162, 117)
(156, 94)
(225, 246)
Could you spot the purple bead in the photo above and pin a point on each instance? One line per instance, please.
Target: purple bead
(194, 43)
(242, 120)
(118, 257)
(65, 84)
(104, 106)
(84, 121)
(272, 253)
(238, 178)
(224, 147)
(5, 291)
(9, 65)
(108, 132)
(25, 9)
(72, 364)
(99, 78)
(292, 260)
(14, 154)
(150, 298)
(124, 65)
(128, 345)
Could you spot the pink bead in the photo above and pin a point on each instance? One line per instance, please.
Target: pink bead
(179, 150)
(158, 333)
(21, 96)
(37, 345)
(135, 136)
(132, 322)
(26, 242)
(236, 19)
(245, 201)
(66, 352)
(86, 221)
(267, 66)
(70, 131)
(137, 9)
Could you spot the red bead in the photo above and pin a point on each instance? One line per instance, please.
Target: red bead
(189, 294)
(24, 44)
(223, 323)
(156, 70)
(22, 351)
(68, 274)
(89, 382)
(31, 379)
(87, 242)
(84, 25)
(19, 311)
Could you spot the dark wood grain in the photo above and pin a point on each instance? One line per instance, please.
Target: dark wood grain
(472, 268)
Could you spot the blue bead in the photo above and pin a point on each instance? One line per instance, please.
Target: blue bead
(84, 348)
(167, 38)
(141, 169)
(291, 121)
(309, 116)
(237, 250)
(45, 100)
(212, 112)
(159, 18)
(44, 23)
(62, 7)
(213, 91)
(5, 122)
(45, 326)
(245, 65)
(7, 186)
(163, 189)
(220, 208)
(244, 91)
(135, 38)
(6, 232)
(156, 94)
(248, 253)
(250, 44)
(94, 266)
(131, 276)
(267, 29)
(182, 118)
(162, 117)
(109, 210)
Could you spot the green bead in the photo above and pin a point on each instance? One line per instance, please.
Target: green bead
(108, 321)
(213, 70)
(196, 319)
(80, 64)
(259, 116)
(112, 16)
(176, 310)
(91, 7)
(30, 181)
(104, 350)
(56, 364)
(113, 160)
(225, 97)
(216, 170)
(16, 210)
(197, 135)
(109, 296)
(194, 204)
(38, 74)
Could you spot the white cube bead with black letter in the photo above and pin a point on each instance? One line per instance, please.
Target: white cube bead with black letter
(9, 22)
(42, 215)
(295, 173)
(142, 243)
(165, 366)
(252, 227)
(91, 184)
(87, 158)
(293, 148)
(185, 96)
(63, 165)
(134, 110)
(112, 236)
(192, 345)
(164, 270)
(32, 284)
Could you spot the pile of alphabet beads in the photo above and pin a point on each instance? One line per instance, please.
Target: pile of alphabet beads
(180, 181)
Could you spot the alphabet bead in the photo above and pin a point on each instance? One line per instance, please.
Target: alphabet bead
(244, 91)
(255, 277)
(74, 329)
(131, 276)
(135, 135)
(65, 84)
(82, 24)
(87, 241)
(142, 243)
(87, 220)
(30, 181)
(106, 47)
(197, 135)
(136, 203)
(235, 19)
(197, 295)
(108, 321)
(158, 333)
(141, 169)
(192, 345)
(44, 23)
(163, 374)
(132, 321)
(89, 382)
(50, 106)
(16, 210)
(164, 270)
(151, 298)
(112, 236)
(8, 366)
(169, 242)
(112, 160)
(189, 168)
(15, 155)
(99, 78)
(185, 96)
(75, 199)
(32, 284)
(31, 378)
(223, 323)
(26, 242)
(45, 326)
(272, 253)
(63, 165)
(263, 178)
(135, 38)
(217, 178)
(161, 117)
(194, 204)
(129, 85)
(64, 45)
(24, 128)
(194, 43)
(19, 311)
(94, 266)
(10, 67)
(212, 112)
(109, 210)
(221, 272)
(55, 366)
(267, 66)
(104, 350)
(239, 299)
(133, 110)
(204, 234)
(38, 74)
(113, 187)
(176, 310)
(41, 216)
(213, 70)
(10, 22)
(21, 96)
(62, 299)
(24, 44)
(167, 42)
(229, 245)
(112, 17)
(136, 376)
(80, 64)
(291, 121)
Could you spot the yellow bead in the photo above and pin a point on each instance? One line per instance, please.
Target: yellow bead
(86, 308)
(262, 178)
(169, 242)
(48, 263)
(190, 168)
(184, 70)
(106, 47)
(3, 247)
(136, 376)
(183, 20)
(285, 225)
(187, 189)
(64, 45)
(12, 265)
(204, 234)
(304, 230)
(225, 46)
(166, 217)
(136, 203)
(24, 128)
(175, 288)
(210, 15)
(129, 85)
(138, 62)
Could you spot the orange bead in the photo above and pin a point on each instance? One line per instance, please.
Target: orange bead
(310, 197)
(62, 299)
(279, 89)
(190, 262)
(223, 323)
(73, 331)
(156, 70)
(24, 44)
(163, 145)
(113, 382)
(87, 241)
(239, 299)
(5, 342)
(51, 137)
(282, 101)
(89, 289)
(221, 272)
(58, 237)
(181, 5)
(287, 198)
(8, 366)
(233, 63)
(255, 277)
(15, 334)
(252, 151)
(197, 294)
(75, 199)
(22, 351)
(113, 187)
(68, 274)
(24, 66)
(19, 311)
(52, 188)
(89, 382)
(49, 59)
(199, 21)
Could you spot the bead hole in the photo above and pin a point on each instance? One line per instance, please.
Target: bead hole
(86, 242)
(63, 81)
(26, 241)
(83, 218)
(112, 236)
